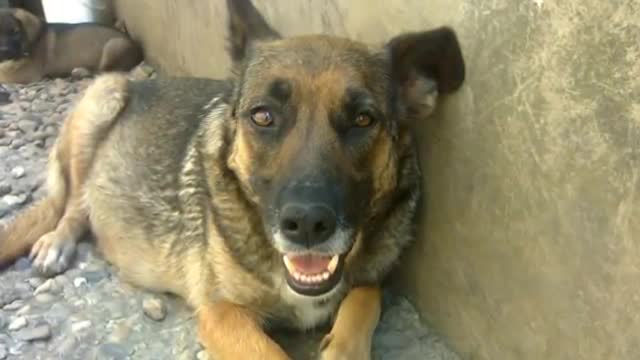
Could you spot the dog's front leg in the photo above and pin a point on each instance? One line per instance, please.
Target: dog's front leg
(350, 337)
(230, 332)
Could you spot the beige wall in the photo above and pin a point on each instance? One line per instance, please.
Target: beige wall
(529, 245)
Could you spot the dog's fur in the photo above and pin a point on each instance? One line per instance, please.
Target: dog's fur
(31, 49)
(181, 188)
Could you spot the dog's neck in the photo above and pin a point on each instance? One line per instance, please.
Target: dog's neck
(237, 219)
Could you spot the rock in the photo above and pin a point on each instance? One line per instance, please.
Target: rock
(27, 126)
(45, 298)
(66, 347)
(24, 310)
(80, 326)
(94, 276)
(17, 323)
(18, 172)
(79, 281)
(154, 308)
(50, 286)
(3, 352)
(4, 209)
(41, 332)
(121, 332)
(113, 351)
(80, 73)
(5, 189)
(13, 200)
(141, 72)
(3, 322)
(14, 305)
(17, 143)
(35, 282)
(5, 97)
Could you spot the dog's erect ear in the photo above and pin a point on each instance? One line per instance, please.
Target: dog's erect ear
(32, 27)
(246, 26)
(419, 59)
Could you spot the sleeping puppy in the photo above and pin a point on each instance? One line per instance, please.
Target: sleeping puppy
(31, 49)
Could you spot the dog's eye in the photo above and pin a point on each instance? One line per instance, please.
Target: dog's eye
(261, 117)
(363, 120)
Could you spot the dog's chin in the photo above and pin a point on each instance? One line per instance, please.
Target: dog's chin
(313, 274)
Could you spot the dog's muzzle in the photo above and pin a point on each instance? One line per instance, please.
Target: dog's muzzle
(313, 245)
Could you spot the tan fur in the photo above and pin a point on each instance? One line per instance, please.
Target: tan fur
(220, 325)
(350, 337)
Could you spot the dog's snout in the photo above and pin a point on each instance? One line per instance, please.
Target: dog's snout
(307, 225)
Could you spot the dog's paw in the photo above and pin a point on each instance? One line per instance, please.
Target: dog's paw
(334, 348)
(52, 254)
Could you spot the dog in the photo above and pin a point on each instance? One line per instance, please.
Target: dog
(281, 196)
(31, 49)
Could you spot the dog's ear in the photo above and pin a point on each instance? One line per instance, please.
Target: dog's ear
(32, 27)
(420, 59)
(246, 26)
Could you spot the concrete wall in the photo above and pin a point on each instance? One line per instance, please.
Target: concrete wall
(529, 245)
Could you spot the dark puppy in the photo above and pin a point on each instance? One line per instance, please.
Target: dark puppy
(31, 49)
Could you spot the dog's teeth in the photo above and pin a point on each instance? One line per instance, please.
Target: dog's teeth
(288, 264)
(325, 276)
(317, 278)
(333, 264)
(296, 276)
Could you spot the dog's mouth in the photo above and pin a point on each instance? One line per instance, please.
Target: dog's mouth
(313, 274)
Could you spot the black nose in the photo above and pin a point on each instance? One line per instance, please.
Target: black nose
(307, 224)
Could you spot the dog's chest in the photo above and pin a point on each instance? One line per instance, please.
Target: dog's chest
(309, 312)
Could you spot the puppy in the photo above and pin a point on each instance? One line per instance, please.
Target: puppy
(31, 49)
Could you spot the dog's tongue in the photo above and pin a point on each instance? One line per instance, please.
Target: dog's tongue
(310, 264)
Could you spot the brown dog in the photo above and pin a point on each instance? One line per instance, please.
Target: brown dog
(31, 49)
(283, 196)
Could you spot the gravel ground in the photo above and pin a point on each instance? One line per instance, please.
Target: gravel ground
(87, 312)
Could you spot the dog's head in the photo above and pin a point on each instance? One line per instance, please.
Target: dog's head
(18, 30)
(321, 127)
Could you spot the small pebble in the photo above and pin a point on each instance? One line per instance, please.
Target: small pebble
(45, 298)
(17, 324)
(14, 305)
(202, 355)
(35, 282)
(27, 126)
(41, 332)
(68, 345)
(5, 189)
(18, 172)
(80, 73)
(154, 308)
(50, 286)
(24, 310)
(113, 351)
(79, 281)
(80, 326)
(13, 200)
